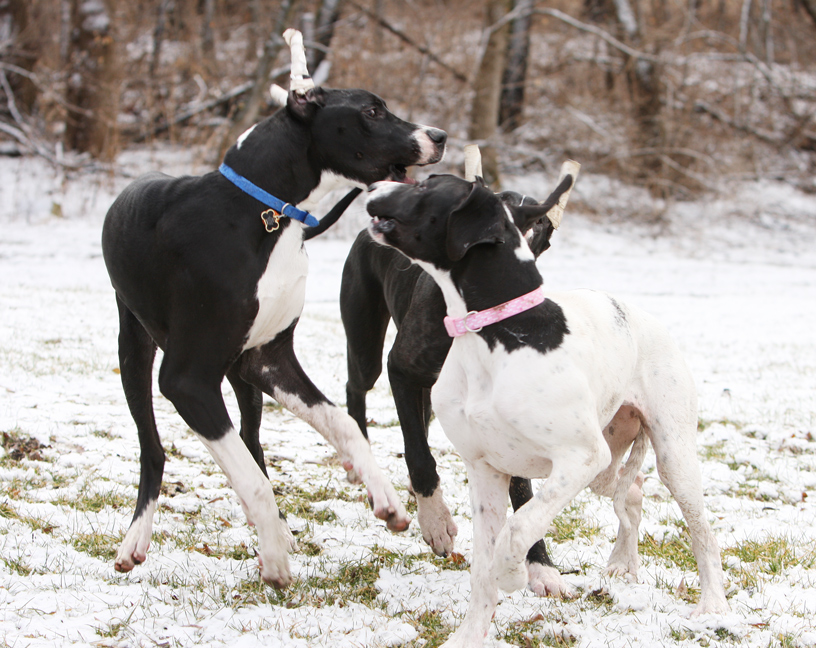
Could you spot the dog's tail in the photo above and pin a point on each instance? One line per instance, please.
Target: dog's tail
(334, 214)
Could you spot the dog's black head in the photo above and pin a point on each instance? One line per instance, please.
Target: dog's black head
(440, 219)
(354, 135)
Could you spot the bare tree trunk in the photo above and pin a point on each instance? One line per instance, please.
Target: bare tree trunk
(20, 48)
(810, 8)
(158, 35)
(484, 112)
(93, 86)
(327, 17)
(646, 89)
(515, 71)
(255, 101)
(208, 37)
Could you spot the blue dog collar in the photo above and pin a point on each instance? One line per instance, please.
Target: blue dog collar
(276, 205)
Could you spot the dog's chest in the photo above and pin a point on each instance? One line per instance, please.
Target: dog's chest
(483, 402)
(281, 289)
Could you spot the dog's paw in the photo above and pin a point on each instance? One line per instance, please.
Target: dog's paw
(133, 550)
(389, 508)
(438, 528)
(711, 603)
(623, 569)
(275, 571)
(127, 558)
(544, 580)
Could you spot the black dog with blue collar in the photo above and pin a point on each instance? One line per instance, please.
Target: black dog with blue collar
(195, 275)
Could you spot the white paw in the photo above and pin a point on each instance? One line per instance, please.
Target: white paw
(133, 550)
(386, 504)
(711, 603)
(274, 541)
(547, 581)
(436, 522)
(624, 570)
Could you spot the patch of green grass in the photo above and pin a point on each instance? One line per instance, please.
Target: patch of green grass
(8, 511)
(529, 633)
(37, 524)
(17, 566)
(600, 598)
(572, 523)
(433, 630)
(94, 502)
(675, 550)
(773, 555)
(785, 641)
(703, 424)
(98, 545)
(382, 424)
(296, 500)
(240, 552)
(714, 451)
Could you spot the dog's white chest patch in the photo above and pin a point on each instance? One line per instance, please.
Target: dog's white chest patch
(281, 289)
(481, 402)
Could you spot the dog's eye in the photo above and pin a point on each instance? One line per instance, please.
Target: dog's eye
(370, 112)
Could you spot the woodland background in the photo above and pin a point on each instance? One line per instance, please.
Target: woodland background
(676, 96)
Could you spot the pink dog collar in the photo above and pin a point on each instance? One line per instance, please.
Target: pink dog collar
(475, 320)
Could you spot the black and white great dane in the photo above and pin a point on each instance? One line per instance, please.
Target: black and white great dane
(212, 269)
(379, 284)
(550, 385)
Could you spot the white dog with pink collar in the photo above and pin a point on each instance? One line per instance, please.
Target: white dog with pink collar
(558, 388)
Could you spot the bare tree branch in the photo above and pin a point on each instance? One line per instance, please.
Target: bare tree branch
(409, 41)
(600, 33)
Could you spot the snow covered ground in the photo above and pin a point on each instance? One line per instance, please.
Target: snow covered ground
(735, 281)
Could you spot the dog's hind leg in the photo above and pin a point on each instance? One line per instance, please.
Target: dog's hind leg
(679, 470)
(542, 576)
(365, 319)
(250, 403)
(623, 485)
(136, 354)
(275, 369)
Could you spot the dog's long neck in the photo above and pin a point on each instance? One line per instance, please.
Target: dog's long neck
(278, 164)
(487, 276)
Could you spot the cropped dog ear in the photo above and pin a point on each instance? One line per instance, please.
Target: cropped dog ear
(479, 219)
(303, 106)
(525, 215)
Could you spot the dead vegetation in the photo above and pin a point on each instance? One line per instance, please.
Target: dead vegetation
(678, 98)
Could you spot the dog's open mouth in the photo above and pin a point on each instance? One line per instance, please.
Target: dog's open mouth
(399, 173)
(382, 224)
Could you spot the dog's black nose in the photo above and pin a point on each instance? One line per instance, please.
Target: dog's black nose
(437, 136)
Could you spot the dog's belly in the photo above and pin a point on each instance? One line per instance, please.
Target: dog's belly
(281, 289)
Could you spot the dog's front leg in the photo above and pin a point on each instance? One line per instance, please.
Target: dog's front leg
(488, 501)
(275, 369)
(412, 368)
(258, 502)
(570, 474)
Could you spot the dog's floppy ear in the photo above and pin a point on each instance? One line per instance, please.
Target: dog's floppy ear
(525, 215)
(479, 219)
(303, 106)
